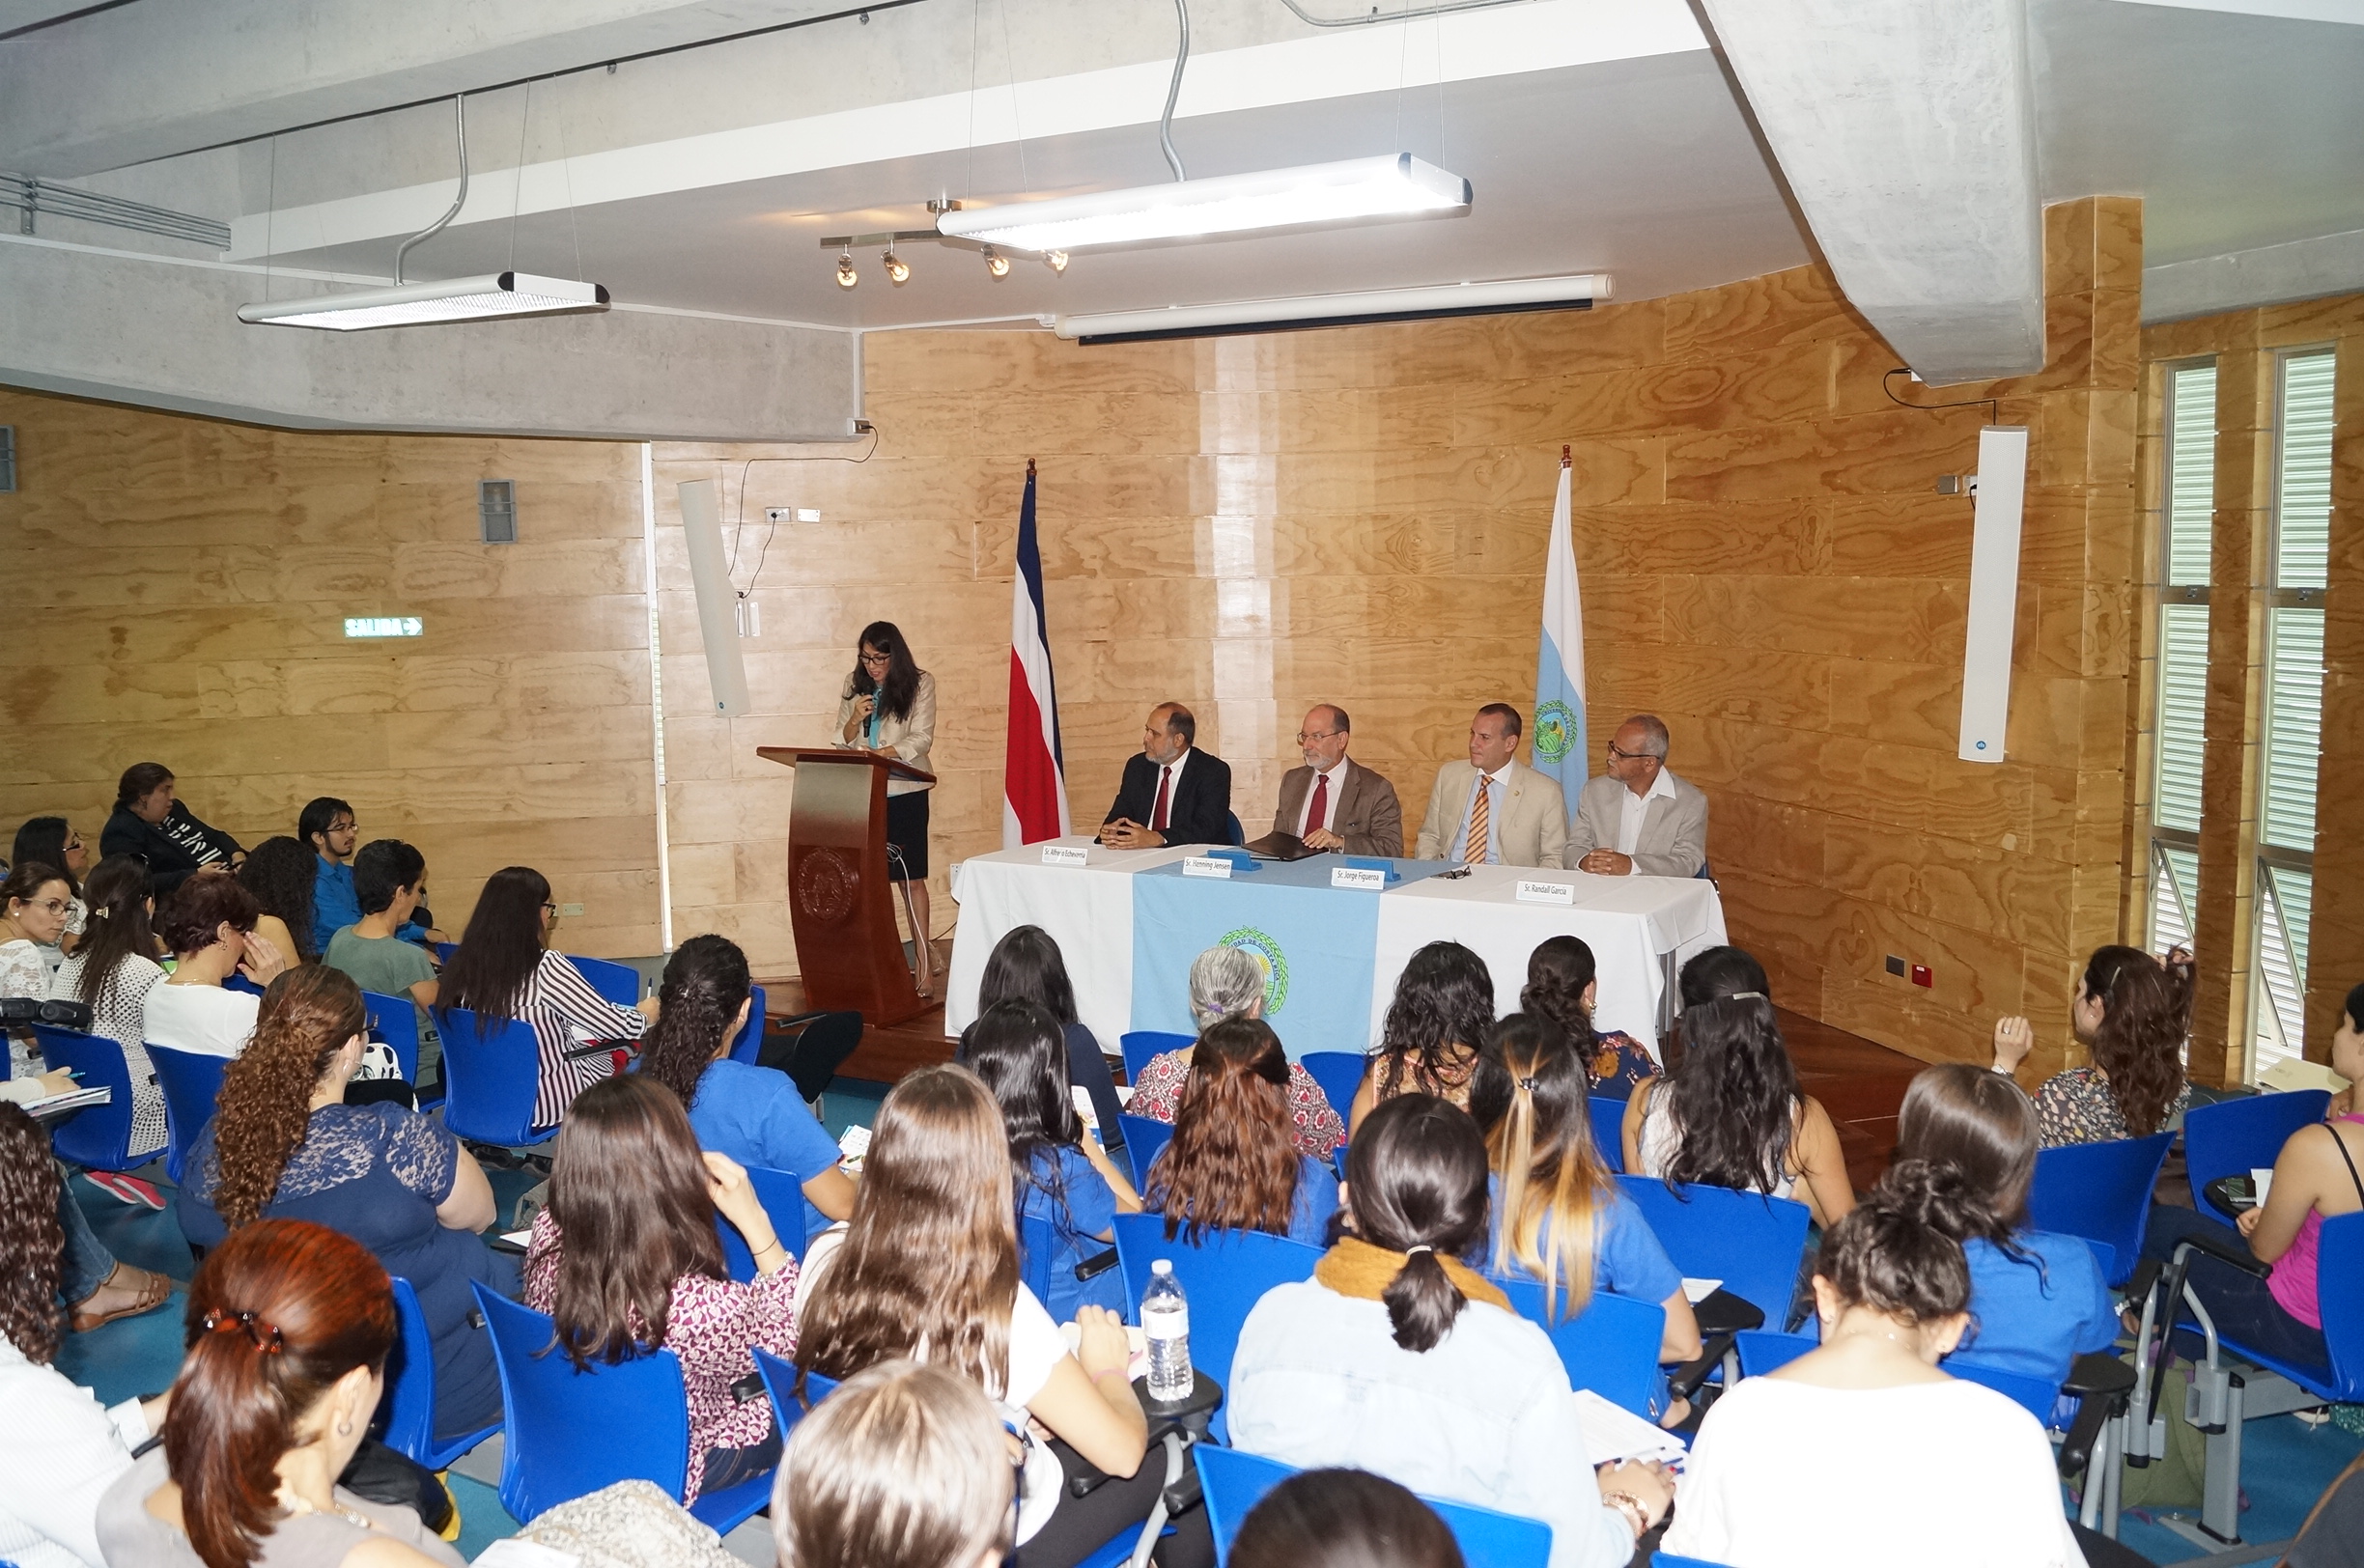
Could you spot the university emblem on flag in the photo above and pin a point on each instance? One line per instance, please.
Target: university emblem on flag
(1260, 946)
(1552, 726)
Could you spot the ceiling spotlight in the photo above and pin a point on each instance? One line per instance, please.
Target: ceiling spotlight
(1055, 260)
(898, 271)
(995, 262)
(847, 277)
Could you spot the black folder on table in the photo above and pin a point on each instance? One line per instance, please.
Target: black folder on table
(1281, 846)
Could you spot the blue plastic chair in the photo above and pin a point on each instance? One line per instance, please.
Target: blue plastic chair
(1751, 1242)
(1667, 1560)
(1611, 1347)
(570, 1433)
(409, 1389)
(444, 950)
(1234, 1483)
(1223, 1278)
(783, 1199)
(1762, 1350)
(2232, 1137)
(239, 982)
(96, 1138)
(1609, 1131)
(1231, 825)
(750, 1044)
(396, 1019)
(1145, 1139)
(1141, 1046)
(2100, 1192)
(619, 983)
(191, 1083)
(488, 1081)
(780, 1380)
(1339, 1073)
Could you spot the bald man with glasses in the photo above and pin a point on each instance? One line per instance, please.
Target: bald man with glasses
(1331, 803)
(1637, 818)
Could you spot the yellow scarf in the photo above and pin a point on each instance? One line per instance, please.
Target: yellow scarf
(1356, 1267)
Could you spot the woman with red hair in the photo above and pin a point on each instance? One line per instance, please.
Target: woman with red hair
(1233, 1162)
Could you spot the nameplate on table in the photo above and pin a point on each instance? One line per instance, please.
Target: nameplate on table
(1065, 855)
(1205, 865)
(1546, 892)
(1365, 878)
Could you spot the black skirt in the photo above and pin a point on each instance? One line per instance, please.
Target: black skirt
(907, 828)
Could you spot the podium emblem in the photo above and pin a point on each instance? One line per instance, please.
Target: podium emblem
(824, 885)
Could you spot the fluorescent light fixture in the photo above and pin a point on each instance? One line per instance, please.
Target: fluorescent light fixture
(1574, 292)
(1317, 195)
(383, 625)
(418, 304)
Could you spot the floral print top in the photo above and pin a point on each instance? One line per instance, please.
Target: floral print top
(2079, 1107)
(1317, 1129)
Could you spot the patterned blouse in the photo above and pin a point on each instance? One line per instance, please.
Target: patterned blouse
(1618, 1063)
(1402, 1075)
(2078, 1106)
(1158, 1095)
(715, 1327)
(120, 1015)
(566, 1011)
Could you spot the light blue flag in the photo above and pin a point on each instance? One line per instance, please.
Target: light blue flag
(1559, 751)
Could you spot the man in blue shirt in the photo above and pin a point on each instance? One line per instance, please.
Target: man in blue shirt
(327, 823)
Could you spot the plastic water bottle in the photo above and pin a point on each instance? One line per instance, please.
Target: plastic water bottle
(1165, 1325)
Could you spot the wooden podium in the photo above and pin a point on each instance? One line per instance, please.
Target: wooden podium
(840, 904)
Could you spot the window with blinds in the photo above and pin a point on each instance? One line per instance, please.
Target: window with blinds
(2182, 743)
(2291, 727)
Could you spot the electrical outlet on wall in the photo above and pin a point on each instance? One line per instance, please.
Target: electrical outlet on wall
(570, 908)
(1896, 965)
(779, 514)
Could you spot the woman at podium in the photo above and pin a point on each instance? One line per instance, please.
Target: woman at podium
(888, 705)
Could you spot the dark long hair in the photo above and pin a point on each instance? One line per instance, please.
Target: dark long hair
(1735, 1096)
(1899, 1251)
(1026, 965)
(500, 948)
(902, 683)
(116, 929)
(1558, 971)
(1017, 1048)
(629, 1195)
(1343, 1519)
(43, 839)
(1983, 1125)
(1534, 1102)
(1444, 999)
(139, 781)
(276, 1315)
(279, 872)
(705, 982)
(265, 1107)
(1233, 1163)
(32, 1242)
(2145, 1016)
(1418, 1172)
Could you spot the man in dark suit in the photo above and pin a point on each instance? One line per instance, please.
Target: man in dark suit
(1331, 803)
(1172, 793)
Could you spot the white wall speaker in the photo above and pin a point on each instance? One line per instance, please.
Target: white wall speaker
(1994, 591)
(717, 601)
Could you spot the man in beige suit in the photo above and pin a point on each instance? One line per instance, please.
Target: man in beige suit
(1637, 818)
(1491, 811)
(1331, 803)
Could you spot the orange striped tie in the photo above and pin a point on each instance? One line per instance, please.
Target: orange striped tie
(1479, 813)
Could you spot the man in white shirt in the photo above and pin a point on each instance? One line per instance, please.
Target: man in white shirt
(1637, 818)
(1331, 803)
(1491, 811)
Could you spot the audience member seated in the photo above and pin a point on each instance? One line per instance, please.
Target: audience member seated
(505, 969)
(2037, 1298)
(209, 923)
(1400, 1359)
(1343, 1519)
(1861, 1444)
(1428, 1045)
(384, 879)
(1227, 982)
(626, 1257)
(110, 973)
(2315, 1178)
(288, 1329)
(329, 827)
(279, 874)
(753, 1115)
(1558, 1214)
(903, 1466)
(1562, 983)
(1233, 1163)
(1027, 965)
(34, 900)
(151, 822)
(2133, 1013)
(1058, 1166)
(51, 841)
(929, 1269)
(59, 1447)
(284, 1145)
(1733, 1114)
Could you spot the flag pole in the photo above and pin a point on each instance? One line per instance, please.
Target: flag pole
(1566, 461)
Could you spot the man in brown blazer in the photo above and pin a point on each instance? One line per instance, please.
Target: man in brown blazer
(1331, 803)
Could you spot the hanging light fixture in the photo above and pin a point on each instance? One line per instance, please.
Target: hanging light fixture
(898, 271)
(847, 277)
(1055, 260)
(995, 262)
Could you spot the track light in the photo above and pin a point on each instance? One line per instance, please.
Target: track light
(847, 277)
(1055, 260)
(898, 271)
(995, 262)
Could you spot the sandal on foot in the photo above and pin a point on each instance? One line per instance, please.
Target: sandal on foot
(153, 1293)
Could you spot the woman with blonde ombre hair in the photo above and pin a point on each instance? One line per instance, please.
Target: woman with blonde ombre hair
(284, 1146)
(928, 1270)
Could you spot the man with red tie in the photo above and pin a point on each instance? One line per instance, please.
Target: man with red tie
(1172, 792)
(1331, 804)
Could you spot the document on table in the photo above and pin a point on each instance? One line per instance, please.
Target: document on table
(1696, 1291)
(1612, 1433)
